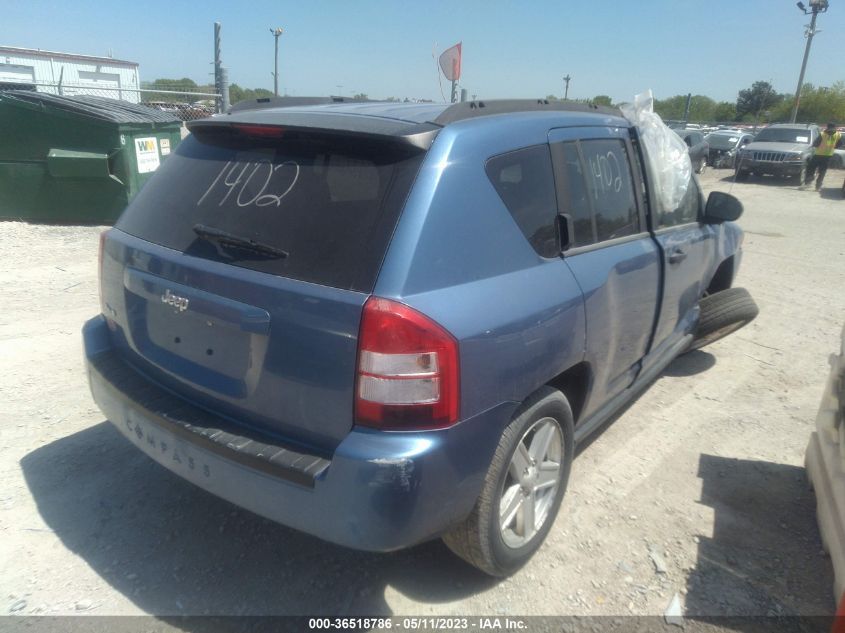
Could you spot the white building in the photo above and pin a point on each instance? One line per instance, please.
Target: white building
(68, 74)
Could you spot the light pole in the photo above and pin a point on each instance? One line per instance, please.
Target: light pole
(816, 7)
(566, 92)
(276, 33)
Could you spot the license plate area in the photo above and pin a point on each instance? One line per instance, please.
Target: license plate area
(202, 341)
(205, 339)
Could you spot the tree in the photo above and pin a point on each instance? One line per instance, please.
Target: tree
(361, 95)
(236, 93)
(671, 108)
(171, 85)
(701, 108)
(818, 105)
(602, 100)
(761, 96)
(186, 84)
(724, 111)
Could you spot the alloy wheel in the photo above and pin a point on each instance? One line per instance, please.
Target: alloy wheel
(531, 483)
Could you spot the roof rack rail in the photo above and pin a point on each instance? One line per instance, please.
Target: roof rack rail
(472, 109)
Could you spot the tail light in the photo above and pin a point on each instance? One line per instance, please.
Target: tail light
(408, 372)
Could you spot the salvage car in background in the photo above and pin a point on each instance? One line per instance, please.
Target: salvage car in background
(698, 148)
(725, 145)
(783, 149)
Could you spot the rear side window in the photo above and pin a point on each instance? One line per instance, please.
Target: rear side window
(524, 181)
(574, 194)
(612, 192)
(330, 204)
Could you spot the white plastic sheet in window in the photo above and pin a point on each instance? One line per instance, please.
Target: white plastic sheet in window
(668, 155)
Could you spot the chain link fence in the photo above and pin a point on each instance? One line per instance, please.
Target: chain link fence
(184, 104)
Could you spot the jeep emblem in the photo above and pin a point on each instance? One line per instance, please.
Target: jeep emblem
(180, 303)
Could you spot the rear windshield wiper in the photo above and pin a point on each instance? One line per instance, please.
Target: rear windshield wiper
(228, 239)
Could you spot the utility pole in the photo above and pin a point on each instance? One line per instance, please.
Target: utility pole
(221, 77)
(277, 32)
(686, 108)
(566, 92)
(816, 7)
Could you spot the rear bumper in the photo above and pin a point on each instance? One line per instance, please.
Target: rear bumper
(378, 491)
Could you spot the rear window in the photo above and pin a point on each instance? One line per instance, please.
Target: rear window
(331, 204)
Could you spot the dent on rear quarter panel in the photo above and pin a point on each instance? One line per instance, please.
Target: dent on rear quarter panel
(459, 257)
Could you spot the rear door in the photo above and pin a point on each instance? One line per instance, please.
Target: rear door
(237, 276)
(611, 252)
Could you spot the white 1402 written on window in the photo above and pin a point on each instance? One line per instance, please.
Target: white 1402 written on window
(606, 173)
(609, 179)
(258, 183)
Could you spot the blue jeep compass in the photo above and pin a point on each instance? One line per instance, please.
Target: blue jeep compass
(386, 323)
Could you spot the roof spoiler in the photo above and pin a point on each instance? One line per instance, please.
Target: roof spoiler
(416, 137)
(292, 102)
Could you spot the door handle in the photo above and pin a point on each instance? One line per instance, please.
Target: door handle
(677, 256)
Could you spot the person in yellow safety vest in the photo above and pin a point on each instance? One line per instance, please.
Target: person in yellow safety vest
(821, 157)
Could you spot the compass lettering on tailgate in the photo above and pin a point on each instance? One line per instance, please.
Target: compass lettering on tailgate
(157, 444)
(180, 303)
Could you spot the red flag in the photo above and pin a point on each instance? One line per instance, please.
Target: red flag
(450, 62)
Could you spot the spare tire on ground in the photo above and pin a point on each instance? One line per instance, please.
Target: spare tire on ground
(723, 313)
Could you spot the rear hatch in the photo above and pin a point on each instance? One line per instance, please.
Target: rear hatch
(237, 276)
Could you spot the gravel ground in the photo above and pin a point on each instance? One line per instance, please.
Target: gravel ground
(696, 489)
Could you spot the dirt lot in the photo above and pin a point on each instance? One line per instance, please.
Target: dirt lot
(701, 477)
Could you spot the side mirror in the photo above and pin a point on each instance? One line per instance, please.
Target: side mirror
(722, 207)
(746, 141)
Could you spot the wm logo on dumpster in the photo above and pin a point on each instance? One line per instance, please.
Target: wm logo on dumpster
(145, 145)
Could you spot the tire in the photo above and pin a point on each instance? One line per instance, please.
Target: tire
(740, 175)
(493, 544)
(723, 313)
(701, 166)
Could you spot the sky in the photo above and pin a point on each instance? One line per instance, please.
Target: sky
(510, 49)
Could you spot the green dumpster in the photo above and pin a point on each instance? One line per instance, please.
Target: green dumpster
(77, 159)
